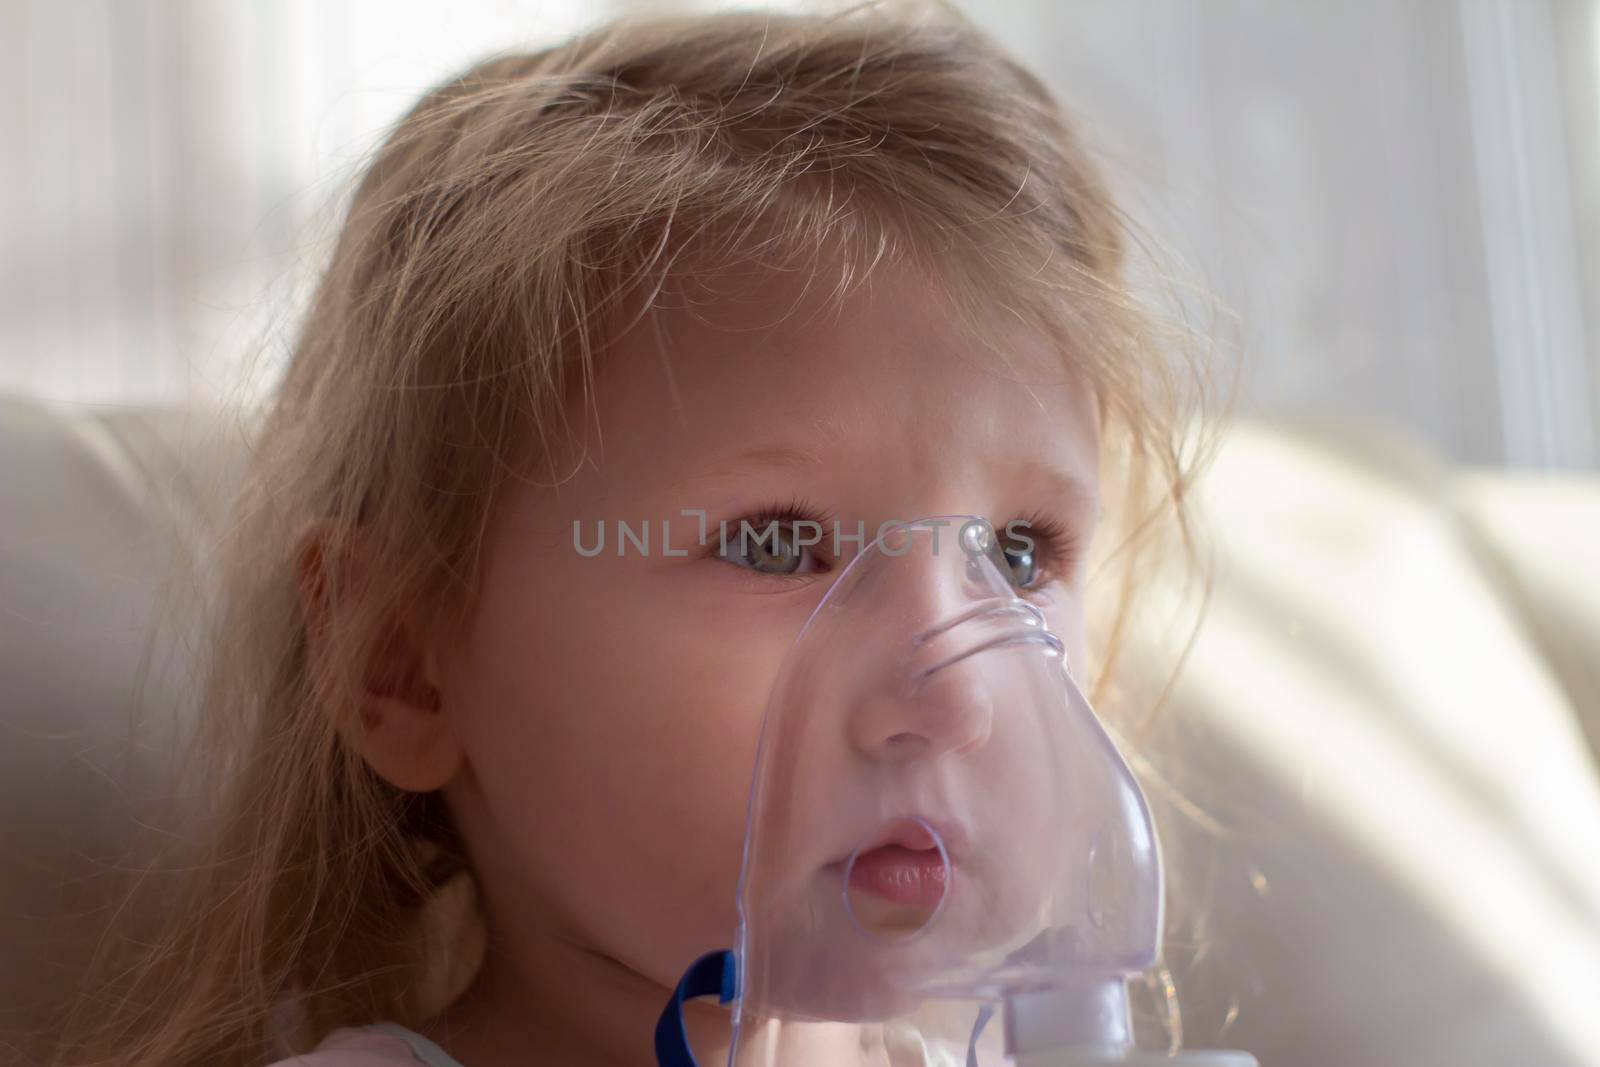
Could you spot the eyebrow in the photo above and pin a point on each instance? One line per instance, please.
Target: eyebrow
(792, 457)
(1071, 491)
(1058, 483)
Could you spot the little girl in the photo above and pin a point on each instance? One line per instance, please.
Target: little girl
(482, 790)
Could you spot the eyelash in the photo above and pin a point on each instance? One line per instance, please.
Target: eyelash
(1057, 542)
(796, 509)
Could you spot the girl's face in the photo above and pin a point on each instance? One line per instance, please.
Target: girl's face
(607, 705)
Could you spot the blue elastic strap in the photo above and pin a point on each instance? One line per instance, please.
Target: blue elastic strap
(715, 972)
(977, 1029)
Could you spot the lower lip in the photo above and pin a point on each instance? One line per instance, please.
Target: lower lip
(911, 877)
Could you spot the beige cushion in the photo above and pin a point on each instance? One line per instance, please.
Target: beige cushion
(103, 515)
(1416, 873)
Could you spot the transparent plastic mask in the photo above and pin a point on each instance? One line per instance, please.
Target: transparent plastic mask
(937, 819)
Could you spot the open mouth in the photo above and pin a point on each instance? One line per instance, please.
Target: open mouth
(911, 877)
(894, 886)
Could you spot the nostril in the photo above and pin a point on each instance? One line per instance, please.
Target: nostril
(906, 740)
(954, 715)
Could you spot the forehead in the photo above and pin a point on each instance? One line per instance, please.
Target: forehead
(887, 378)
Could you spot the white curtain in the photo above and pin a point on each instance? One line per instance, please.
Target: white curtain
(1401, 198)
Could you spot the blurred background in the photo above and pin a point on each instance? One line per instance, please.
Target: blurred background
(1392, 714)
(1401, 198)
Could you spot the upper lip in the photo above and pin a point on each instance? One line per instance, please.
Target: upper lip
(912, 832)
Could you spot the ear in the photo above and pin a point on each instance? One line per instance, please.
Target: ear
(402, 731)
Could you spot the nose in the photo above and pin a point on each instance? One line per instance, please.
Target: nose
(939, 696)
(950, 712)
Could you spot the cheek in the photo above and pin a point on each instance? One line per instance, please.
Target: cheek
(612, 742)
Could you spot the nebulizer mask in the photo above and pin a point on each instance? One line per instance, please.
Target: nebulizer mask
(940, 835)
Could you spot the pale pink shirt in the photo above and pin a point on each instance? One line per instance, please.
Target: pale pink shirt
(392, 1045)
(377, 1045)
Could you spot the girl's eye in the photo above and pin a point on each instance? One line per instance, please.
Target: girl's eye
(773, 548)
(1024, 563)
(1035, 552)
(1018, 559)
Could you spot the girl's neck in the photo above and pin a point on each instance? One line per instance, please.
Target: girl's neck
(582, 1007)
(576, 1006)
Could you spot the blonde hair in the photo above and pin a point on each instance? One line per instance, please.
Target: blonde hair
(508, 216)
